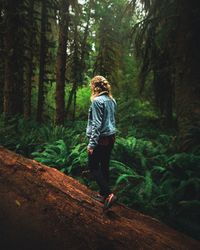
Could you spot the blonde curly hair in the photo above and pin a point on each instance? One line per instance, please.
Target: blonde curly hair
(99, 85)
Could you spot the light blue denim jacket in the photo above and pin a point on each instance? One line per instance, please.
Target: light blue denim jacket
(101, 119)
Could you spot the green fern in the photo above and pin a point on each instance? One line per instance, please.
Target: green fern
(54, 155)
(120, 167)
(77, 159)
(49, 134)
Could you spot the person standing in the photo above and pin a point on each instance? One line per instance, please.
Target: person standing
(101, 131)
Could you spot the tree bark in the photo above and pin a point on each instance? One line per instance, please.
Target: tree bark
(84, 44)
(61, 62)
(76, 71)
(70, 99)
(2, 66)
(40, 104)
(187, 59)
(42, 208)
(13, 42)
(29, 70)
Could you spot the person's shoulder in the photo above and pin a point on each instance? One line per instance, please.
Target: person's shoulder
(113, 99)
(98, 99)
(102, 99)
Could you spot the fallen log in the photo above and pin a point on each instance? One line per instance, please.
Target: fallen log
(42, 208)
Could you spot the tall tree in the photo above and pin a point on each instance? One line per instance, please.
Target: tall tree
(78, 49)
(84, 40)
(154, 37)
(75, 67)
(2, 25)
(169, 40)
(30, 54)
(13, 42)
(61, 61)
(187, 64)
(42, 61)
(108, 45)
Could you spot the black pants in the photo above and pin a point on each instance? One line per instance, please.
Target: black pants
(98, 163)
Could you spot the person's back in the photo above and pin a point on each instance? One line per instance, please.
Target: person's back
(101, 133)
(103, 108)
(109, 106)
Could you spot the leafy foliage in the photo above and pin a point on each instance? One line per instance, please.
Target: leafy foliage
(153, 179)
(147, 172)
(54, 154)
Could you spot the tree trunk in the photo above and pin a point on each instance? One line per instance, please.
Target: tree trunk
(78, 64)
(187, 84)
(84, 44)
(2, 66)
(74, 108)
(29, 70)
(76, 71)
(164, 93)
(70, 99)
(42, 208)
(61, 62)
(76, 68)
(13, 42)
(40, 104)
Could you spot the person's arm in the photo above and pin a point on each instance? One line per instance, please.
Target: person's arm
(97, 118)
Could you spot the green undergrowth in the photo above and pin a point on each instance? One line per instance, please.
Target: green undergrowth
(148, 173)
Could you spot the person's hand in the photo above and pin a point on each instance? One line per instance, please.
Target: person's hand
(90, 151)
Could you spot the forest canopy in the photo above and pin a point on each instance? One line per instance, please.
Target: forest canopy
(149, 52)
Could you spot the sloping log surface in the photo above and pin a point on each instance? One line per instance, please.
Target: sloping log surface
(42, 208)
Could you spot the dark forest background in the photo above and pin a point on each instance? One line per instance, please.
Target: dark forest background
(149, 50)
